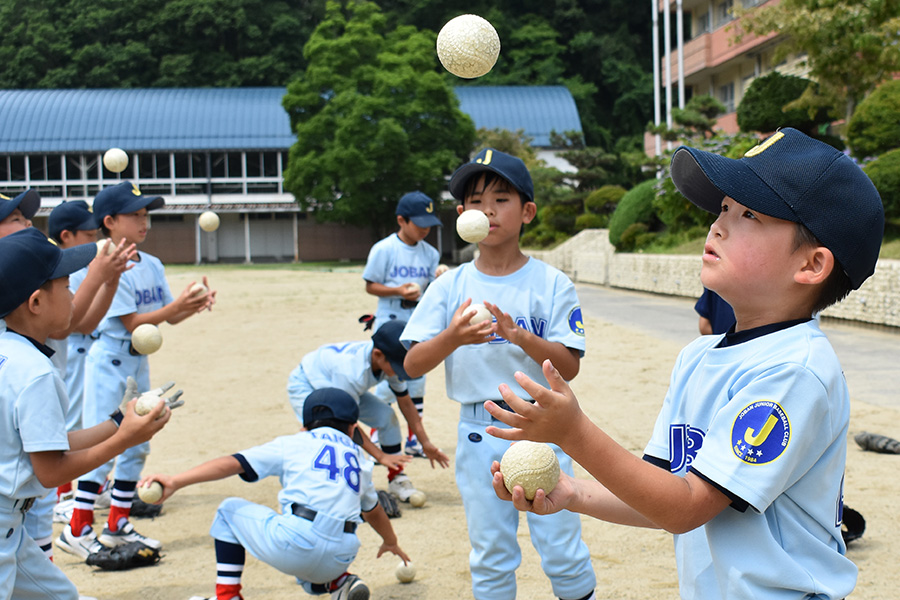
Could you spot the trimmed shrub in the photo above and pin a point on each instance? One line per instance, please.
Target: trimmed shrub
(603, 201)
(560, 217)
(874, 127)
(885, 174)
(636, 206)
(762, 107)
(590, 221)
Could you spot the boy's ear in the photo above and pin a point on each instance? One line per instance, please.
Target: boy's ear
(529, 211)
(65, 236)
(817, 266)
(400, 220)
(459, 209)
(108, 221)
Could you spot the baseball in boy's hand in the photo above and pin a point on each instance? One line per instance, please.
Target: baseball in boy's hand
(146, 338)
(105, 243)
(480, 315)
(150, 493)
(148, 400)
(198, 289)
(415, 287)
(531, 465)
(473, 226)
(405, 572)
(441, 269)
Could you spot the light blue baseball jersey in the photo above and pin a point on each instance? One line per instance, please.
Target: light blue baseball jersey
(347, 366)
(392, 262)
(540, 298)
(33, 403)
(77, 346)
(142, 289)
(766, 421)
(322, 469)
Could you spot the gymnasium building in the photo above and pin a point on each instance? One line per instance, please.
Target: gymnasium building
(217, 149)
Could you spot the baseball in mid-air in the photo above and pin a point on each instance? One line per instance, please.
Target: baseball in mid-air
(532, 465)
(209, 221)
(481, 314)
(473, 226)
(105, 243)
(417, 500)
(468, 46)
(150, 493)
(405, 572)
(115, 160)
(146, 338)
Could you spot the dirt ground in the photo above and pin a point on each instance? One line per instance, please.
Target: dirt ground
(233, 364)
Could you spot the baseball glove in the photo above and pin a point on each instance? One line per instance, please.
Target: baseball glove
(877, 443)
(389, 503)
(126, 556)
(368, 320)
(853, 526)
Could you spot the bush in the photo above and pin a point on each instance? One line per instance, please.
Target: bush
(885, 174)
(542, 237)
(677, 212)
(636, 206)
(603, 201)
(874, 127)
(590, 221)
(762, 107)
(560, 217)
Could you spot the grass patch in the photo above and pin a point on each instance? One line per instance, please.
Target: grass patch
(890, 249)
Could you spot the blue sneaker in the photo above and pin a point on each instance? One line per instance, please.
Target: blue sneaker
(414, 448)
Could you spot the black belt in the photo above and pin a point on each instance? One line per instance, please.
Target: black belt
(24, 504)
(409, 304)
(310, 515)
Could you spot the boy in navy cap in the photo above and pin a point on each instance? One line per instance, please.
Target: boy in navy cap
(36, 451)
(16, 213)
(313, 537)
(537, 316)
(142, 296)
(746, 462)
(398, 271)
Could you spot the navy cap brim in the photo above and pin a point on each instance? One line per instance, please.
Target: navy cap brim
(461, 176)
(74, 259)
(705, 179)
(148, 202)
(399, 371)
(30, 203)
(426, 221)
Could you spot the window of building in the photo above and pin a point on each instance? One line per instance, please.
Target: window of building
(154, 166)
(723, 12)
(704, 23)
(726, 96)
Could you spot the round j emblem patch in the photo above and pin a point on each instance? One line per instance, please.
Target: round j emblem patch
(761, 432)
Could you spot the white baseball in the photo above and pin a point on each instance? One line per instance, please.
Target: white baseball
(108, 244)
(146, 338)
(209, 221)
(115, 160)
(441, 269)
(417, 500)
(150, 493)
(532, 465)
(405, 572)
(468, 46)
(473, 226)
(145, 403)
(198, 288)
(414, 286)
(481, 314)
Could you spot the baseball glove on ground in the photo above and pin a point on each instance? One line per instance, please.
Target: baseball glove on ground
(853, 526)
(877, 443)
(126, 556)
(389, 503)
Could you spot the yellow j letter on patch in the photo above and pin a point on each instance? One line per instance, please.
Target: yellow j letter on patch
(487, 158)
(429, 208)
(766, 144)
(755, 439)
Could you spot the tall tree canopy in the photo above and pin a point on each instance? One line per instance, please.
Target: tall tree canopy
(373, 118)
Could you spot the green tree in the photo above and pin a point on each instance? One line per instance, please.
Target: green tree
(885, 174)
(850, 45)
(875, 126)
(373, 118)
(764, 107)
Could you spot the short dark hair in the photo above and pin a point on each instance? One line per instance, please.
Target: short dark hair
(837, 285)
(490, 178)
(342, 426)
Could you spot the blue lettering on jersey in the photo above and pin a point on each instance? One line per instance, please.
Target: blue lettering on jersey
(536, 326)
(576, 323)
(2, 361)
(148, 296)
(410, 272)
(684, 443)
(338, 347)
(761, 432)
(329, 460)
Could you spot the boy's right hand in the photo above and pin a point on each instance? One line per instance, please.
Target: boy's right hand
(114, 263)
(168, 485)
(543, 504)
(394, 461)
(463, 332)
(138, 429)
(410, 291)
(192, 302)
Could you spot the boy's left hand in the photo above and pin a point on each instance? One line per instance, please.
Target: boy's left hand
(435, 454)
(542, 504)
(394, 549)
(505, 327)
(554, 416)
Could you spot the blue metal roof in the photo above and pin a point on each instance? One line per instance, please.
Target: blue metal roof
(197, 119)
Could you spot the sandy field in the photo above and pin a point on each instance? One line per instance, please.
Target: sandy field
(233, 364)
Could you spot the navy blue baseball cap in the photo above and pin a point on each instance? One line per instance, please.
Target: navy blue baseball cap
(418, 208)
(387, 339)
(74, 215)
(508, 167)
(122, 199)
(28, 202)
(794, 177)
(330, 403)
(28, 260)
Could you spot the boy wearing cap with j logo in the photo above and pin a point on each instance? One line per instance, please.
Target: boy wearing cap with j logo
(746, 462)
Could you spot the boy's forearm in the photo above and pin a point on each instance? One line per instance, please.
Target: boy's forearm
(566, 360)
(379, 289)
(97, 310)
(380, 522)
(211, 470)
(411, 414)
(424, 356)
(85, 438)
(58, 467)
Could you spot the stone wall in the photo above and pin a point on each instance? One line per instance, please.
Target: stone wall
(589, 258)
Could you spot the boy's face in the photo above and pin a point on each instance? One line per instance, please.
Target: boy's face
(133, 227)
(381, 363)
(749, 257)
(59, 304)
(503, 206)
(411, 233)
(14, 222)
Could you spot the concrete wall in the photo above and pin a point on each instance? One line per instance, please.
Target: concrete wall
(590, 258)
